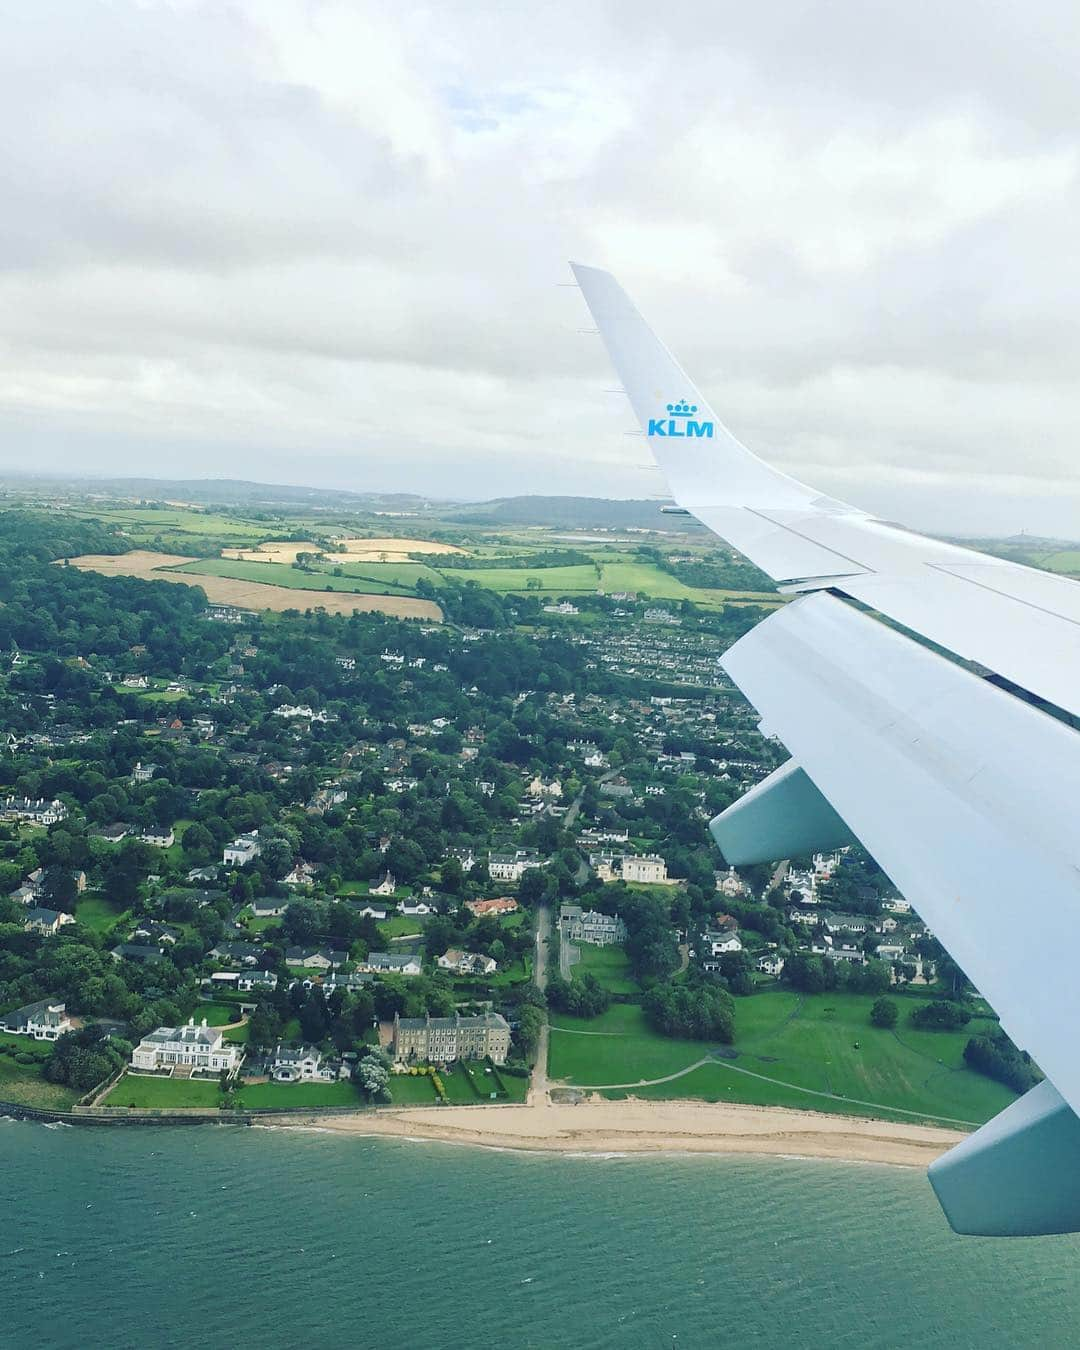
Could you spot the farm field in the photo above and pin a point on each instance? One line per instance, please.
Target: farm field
(253, 594)
(279, 574)
(815, 1052)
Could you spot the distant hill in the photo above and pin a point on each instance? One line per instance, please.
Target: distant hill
(566, 513)
(217, 492)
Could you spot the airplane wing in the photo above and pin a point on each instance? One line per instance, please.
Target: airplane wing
(943, 740)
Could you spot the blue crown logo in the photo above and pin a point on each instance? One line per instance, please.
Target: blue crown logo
(682, 408)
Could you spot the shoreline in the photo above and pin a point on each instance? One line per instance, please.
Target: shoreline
(635, 1126)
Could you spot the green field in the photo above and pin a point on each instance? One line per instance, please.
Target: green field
(282, 574)
(299, 1095)
(97, 913)
(816, 1052)
(217, 1014)
(163, 1093)
(406, 1090)
(140, 523)
(23, 1083)
(610, 965)
(553, 580)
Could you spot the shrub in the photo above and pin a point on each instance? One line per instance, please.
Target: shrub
(884, 1013)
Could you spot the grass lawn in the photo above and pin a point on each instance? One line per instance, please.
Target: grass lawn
(24, 1084)
(400, 926)
(408, 1091)
(787, 1050)
(610, 965)
(164, 1093)
(300, 1095)
(96, 913)
(217, 1014)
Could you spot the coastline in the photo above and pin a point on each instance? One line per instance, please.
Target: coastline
(634, 1126)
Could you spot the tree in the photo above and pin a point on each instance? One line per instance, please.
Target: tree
(453, 875)
(884, 1013)
(373, 1076)
(534, 887)
(701, 1012)
(264, 1026)
(940, 1016)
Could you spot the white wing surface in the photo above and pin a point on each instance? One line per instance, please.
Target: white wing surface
(963, 791)
(1014, 620)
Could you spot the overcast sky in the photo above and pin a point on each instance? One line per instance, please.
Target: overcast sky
(326, 243)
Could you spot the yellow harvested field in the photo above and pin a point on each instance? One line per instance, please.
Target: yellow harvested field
(254, 594)
(388, 550)
(348, 550)
(270, 552)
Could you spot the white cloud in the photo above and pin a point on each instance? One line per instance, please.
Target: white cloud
(324, 240)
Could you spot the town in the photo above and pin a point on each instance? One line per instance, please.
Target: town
(265, 861)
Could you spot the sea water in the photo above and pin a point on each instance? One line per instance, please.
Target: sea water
(236, 1238)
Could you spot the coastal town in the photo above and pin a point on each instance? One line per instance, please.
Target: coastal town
(313, 861)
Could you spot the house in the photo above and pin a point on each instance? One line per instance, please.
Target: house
(246, 981)
(239, 953)
(721, 941)
(199, 1048)
(112, 834)
(203, 874)
(44, 1021)
(36, 812)
(412, 909)
(390, 963)
(512, 866)
(48, 922)
(301, 875)
(368, 910)
(499, 905)
(243, 849)
(648, 869)
(890, 951)
(387, 886)
(304, 1064)
(151, 930)
(268, 907)
(729, 883)
(159, 838)
(466, 963)
(142, 773)
(315, 958)
(598, 930)
(465, 856)
(141, 954)
(848, 923)
(441, 1040)
(549, 791)
(772, 963)
(616, 787)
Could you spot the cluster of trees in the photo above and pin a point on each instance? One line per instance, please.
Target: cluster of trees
(84, 1058)
(941, 1015)
(818, 974)
(997, 1057)
(700, 1012)
(884, 1013)
(583, 996)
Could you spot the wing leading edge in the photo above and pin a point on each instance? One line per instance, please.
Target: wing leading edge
(962, 791)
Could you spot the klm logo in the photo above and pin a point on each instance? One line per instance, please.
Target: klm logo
(680, 421)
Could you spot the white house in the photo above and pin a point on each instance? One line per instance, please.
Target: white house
(370, 911)
(201, 1048)
(726, 940)
(242, 850)
(390, 963)
(772, 963)
(412, 909)
(44, 1021)
(303, 1064)
(142, 773)
(159, 838)
(512, 866)
(387, 886)
(466, 963)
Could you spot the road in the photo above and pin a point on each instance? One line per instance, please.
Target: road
(538, 1086)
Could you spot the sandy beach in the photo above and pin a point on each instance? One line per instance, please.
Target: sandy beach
(651, 1127)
